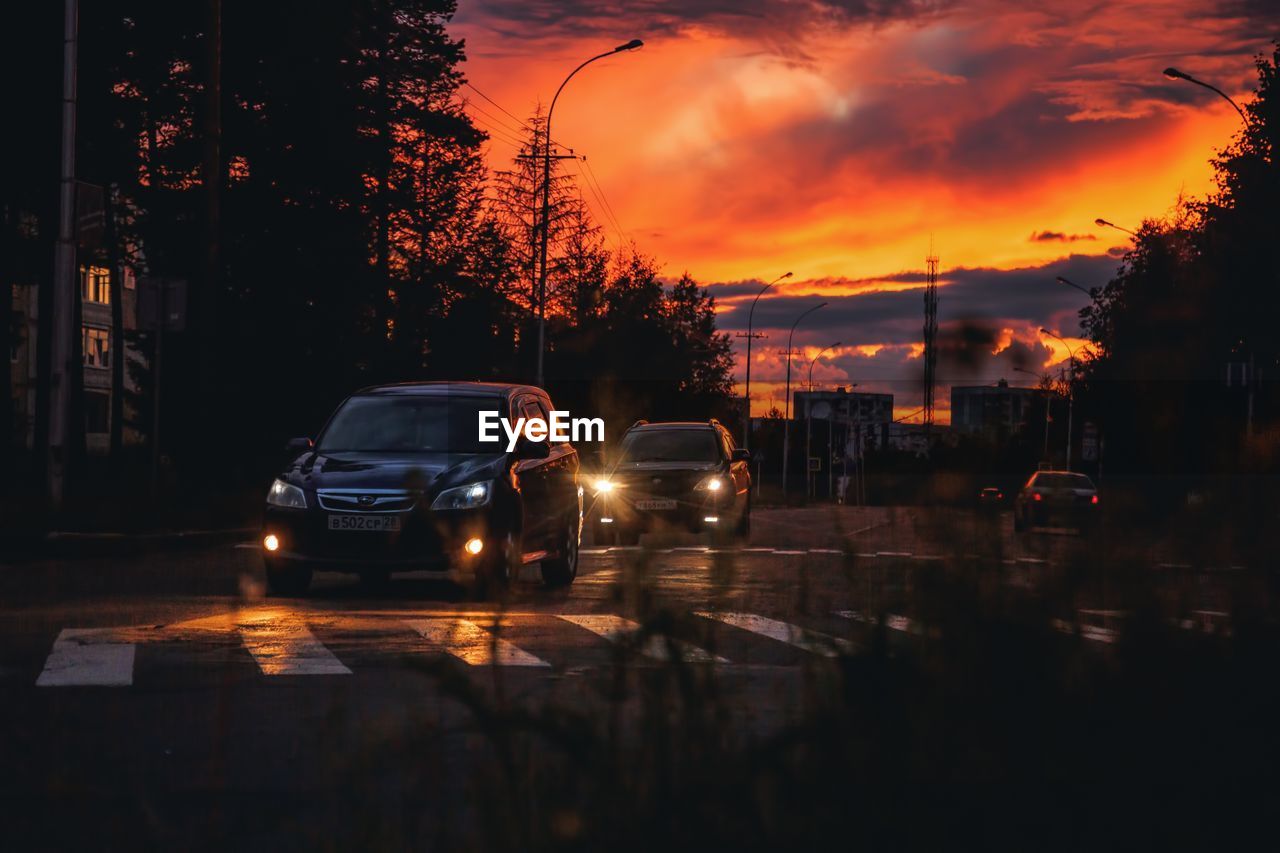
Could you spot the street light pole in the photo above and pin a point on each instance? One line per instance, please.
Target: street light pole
(1089, 292)
(1103, 223)
(746, 417)
(62, 322)
(546, 201)
(1071, 390)
(1175, 74)
(1046, 406)
(786, 424)
(808, 424)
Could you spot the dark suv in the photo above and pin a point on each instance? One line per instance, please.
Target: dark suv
(686, 475)
(398, 481)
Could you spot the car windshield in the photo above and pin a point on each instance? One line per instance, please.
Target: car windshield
(1063, 481)
(409, 424)
(671, 445)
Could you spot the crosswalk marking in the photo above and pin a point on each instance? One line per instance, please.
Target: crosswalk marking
(785, 632)
(615, 629)
(87, 657)
(472, 644)
(289, 649)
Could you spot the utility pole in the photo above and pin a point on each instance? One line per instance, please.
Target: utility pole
(786, 424)
(746, 400)
(786, 420)
(930, 334)
(64, 272)
(751, 315)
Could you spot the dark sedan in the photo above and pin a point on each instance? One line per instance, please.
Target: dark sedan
(1056, 496)
(398, 481)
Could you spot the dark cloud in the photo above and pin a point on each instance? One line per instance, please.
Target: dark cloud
(1058, 237)
(1028, 295)
(767, 19)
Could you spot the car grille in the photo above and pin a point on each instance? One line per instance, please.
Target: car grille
(663, 485)
(366, 500)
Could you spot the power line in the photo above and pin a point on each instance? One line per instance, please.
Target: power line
(601, 205)
(518, 121)
(603, 197)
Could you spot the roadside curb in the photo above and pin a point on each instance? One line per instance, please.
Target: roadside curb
(78, 544)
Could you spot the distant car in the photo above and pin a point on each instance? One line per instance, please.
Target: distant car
(1056, 496)
(687, 475)
(990, 498)
(398, 481)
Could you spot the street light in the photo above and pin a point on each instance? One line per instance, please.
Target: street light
(808, 422)
(1102, 223)
(1069, 283)
(546, 200)
(746, 420)
(1175, 74)
(1071, 392)
(1041, 379)
(786, 425)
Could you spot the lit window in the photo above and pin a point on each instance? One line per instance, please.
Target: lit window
(95, 284)
(96, 347)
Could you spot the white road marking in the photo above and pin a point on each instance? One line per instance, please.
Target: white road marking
(893, 553)
(825, 551)
(803, 638)
(615, 629)
(790, 553)
(87, 657)
(289, 649)
(472, 644)
(893, 621)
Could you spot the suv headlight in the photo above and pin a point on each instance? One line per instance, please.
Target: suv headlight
(711, 484)
(464, 497)
(286, 495)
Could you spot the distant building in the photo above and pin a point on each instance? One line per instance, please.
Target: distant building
(991, 411)
(869, 414)
(96, 345)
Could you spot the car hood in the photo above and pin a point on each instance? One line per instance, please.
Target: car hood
(646, 467)
(426, 472)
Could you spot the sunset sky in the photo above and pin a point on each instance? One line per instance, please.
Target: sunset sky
(835, 138)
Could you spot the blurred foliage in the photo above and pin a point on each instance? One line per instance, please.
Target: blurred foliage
(1193, 303)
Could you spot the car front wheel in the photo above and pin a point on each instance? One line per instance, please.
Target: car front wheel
(563, 568)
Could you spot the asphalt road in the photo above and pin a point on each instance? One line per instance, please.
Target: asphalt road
(166, 701)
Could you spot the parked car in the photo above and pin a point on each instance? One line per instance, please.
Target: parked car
(1057, 496)
(397, 480)
(687, 475)
(990, 498)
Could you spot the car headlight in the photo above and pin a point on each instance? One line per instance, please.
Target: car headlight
(602, 486)
(711, 484)
(464, 497)
(286, 495)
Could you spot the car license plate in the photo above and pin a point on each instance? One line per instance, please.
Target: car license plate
(364, 522)
(656, 504)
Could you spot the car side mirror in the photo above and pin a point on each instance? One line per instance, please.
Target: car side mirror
(741, 454)
(526, 449)
(298, 445)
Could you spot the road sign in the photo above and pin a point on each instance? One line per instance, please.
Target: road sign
(1089, 442)
(815, 463)
(91, 220)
